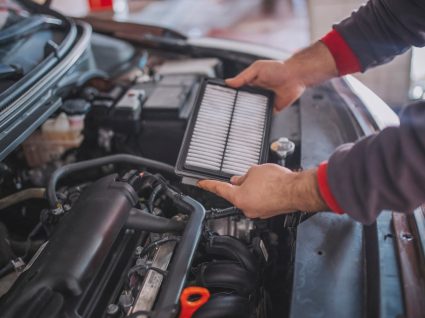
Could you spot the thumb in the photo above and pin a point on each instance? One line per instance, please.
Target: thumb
(222, 189)
(244, 78)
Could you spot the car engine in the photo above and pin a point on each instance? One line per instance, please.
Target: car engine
(94, 221)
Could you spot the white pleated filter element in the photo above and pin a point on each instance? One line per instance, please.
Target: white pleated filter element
(228, 132)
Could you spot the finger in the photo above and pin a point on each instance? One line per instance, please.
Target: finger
(222, 189)
(237, 180)
(244, 78)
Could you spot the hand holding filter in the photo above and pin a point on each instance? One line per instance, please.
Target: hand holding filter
(227, 134)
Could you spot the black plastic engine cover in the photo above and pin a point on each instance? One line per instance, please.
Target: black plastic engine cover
(75, 252)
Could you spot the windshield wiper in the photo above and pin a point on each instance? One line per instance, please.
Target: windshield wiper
(26, 26)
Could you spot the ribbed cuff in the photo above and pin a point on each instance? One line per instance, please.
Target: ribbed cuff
(345, 59)
(324, 189)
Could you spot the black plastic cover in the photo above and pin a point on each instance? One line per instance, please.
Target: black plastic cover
(74, 253)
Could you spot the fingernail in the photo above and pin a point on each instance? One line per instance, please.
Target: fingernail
(234, 179)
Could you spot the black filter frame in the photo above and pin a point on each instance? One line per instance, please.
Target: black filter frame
(198, 173)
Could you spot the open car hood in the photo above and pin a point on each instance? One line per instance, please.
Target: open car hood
(27, 100)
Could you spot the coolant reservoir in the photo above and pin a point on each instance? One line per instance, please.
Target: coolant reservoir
(58, 127)
(57, 135)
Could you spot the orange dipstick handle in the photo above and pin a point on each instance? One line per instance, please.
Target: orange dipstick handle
(188, 306)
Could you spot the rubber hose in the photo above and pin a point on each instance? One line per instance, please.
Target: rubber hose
(90, 164)
(31, 193)
(141, 220)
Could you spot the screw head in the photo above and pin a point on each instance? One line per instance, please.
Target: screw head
(138, 250)
(112, 309)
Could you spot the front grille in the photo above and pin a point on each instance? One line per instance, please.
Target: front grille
(227, 133)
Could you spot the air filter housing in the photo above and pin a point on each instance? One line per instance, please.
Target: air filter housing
(227, 133)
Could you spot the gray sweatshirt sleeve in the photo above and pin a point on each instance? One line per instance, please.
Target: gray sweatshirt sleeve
(382, 29)
(382, 171)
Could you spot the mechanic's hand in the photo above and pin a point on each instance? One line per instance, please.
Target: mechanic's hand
(268, 190)
(272, 75)
(289, 79)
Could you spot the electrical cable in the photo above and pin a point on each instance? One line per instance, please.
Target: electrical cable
(152, 197)
(156, 243)
(213, 214)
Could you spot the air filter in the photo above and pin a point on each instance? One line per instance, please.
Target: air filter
(227, 132)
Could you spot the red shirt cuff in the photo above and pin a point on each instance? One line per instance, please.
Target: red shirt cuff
(324, 189)
(345, 59)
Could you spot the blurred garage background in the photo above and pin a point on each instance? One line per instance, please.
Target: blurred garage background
(285, 24)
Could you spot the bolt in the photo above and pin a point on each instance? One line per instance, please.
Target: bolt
(138, 250)
(112, 309)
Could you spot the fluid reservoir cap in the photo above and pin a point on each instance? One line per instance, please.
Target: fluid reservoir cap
(282, 147)
(76, 106)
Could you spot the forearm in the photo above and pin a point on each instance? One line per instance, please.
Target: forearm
(268, 190)
(306, 195)
(382, 29)
(312, 65)
(383, 171)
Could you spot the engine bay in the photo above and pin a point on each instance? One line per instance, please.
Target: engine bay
(94, 221)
